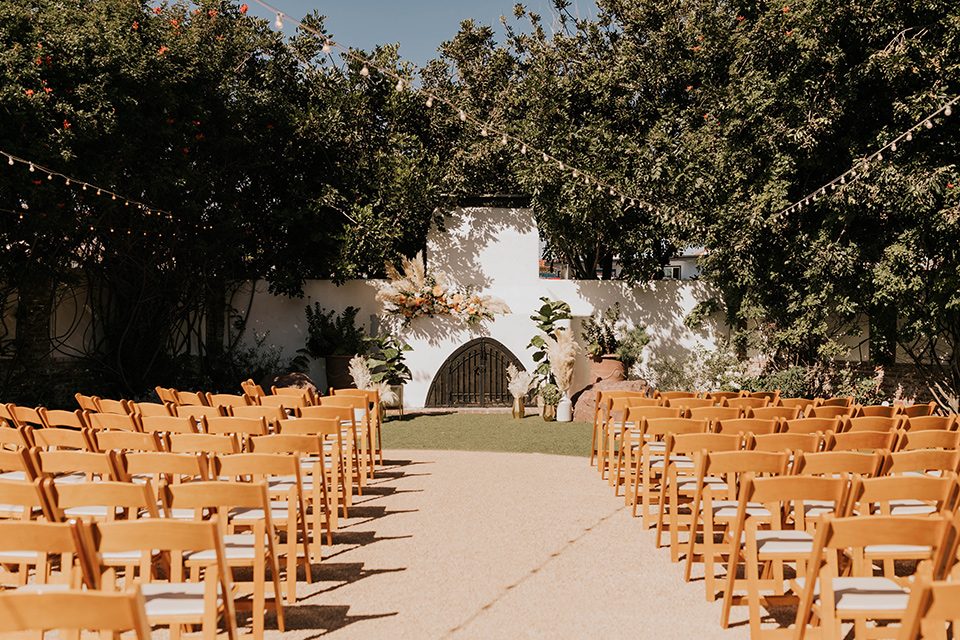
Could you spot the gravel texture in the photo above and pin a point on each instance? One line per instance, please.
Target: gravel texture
(451, 544)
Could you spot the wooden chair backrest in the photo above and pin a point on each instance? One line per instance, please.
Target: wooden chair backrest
(720, 396)
(772, 396)
(870, 423)
(875, 495)
(933, 604)
(835, 463)
(63, 438)
(770, 412)
(923, 460)
(810, 425)
(311, 426)
(131, 499)
(689, 403)
(861, 441)
(126, 441)
(63, 418)
(876, 411)
(203, 443)
(828, 411)
(120, 421)
(747, 425)
(694, 443)
(144, 409)
(926, 423)
(87, 403)
(805, 442)
(169, 424)
(106, 405)
(173, 468)
(228, 400)
(26, 416)
(271, 414)
(102, 465)
(918, 410)
(715, 413)
(282, 401)
(167, 395)
(306, 395)
(658, 428)
(51, 541)
(672, 395)
(932, 439)
(846, 401)
(28, 500)
(197, 411)
(802, 403)
(191, 398)
(745, 403)
(247, 426)
(635, 414)
(75, 610)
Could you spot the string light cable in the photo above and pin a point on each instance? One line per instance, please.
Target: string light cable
(485, 128)
(862, 166)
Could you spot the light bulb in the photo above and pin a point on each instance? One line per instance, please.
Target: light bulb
(632, 202)
(611, 191)
(31, 168)
(947, 111)
(49, 176)
(399, 85)
(599, 187)
(893, 146)
(10, 160)
(833, 187)
(364, 72)
(928, 124)
(430, 101)
(113, 196)
(503, 140)
(279, 23)
(560, 164)
(586, 180)
(98, 191)
(463, 115)
(326, 46)
(879, 156)
(84, 187)
(622, 199)
(576, 174)
(843, 180)
(909, 136)
(545, 158)
(483, 131)
(67, 183)
(523, 149)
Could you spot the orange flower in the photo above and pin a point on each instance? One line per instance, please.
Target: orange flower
(29, 92)
(437, 291)
(244, 8)
(162, 51)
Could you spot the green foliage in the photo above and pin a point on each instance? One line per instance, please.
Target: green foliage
(550, 393)
(386, 364)
(546, 319)
(631, 346)
(329, 334)
(601, 333)
(701, 370)
(792, 382)
(703, 310)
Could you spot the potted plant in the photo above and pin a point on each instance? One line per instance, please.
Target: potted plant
(547, 319)
(550, 395)
(612, 347)
(519, 383)
(386, 365)
(335, 339)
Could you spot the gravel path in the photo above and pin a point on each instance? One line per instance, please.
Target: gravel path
(449, 544)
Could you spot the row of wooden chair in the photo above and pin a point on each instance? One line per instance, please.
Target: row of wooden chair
(754, 501)
(774, 399)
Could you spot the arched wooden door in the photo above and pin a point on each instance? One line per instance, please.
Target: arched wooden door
(475, 375)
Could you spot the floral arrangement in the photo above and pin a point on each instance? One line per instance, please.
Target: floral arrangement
(518, 382)
(419, 292)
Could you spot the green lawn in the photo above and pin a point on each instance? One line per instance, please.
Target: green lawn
(487, 432)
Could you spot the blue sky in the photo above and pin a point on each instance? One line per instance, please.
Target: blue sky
(418, 25)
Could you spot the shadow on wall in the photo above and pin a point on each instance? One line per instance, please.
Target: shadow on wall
(434, 331)
(458, 253)
(660, 305)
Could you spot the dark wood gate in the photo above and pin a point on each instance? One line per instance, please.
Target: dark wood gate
(475, 375)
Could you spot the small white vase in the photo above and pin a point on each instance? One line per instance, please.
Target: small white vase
(565, 410)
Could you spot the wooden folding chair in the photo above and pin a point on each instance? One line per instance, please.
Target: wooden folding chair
(337, 454)
(228, 400)
(288, 515)
(106, 405)
(350, 437)
(176, 601)
(772, 396)
(308, 397)
(126, 441)
(208, 443)
(18, 464)
(321, 477)
(609, 406)
(167, 395)
(720, 396)
(364, 424)
(770, 531)
(165, 468)
(376, 413)
(933, 605)
(840, 583)
(15, 438)
(838, 401)
(51, 549)
(791, 442)
(714, 506)
(673, 395)
(198, 411)
(27, 500)
(626, 438)
(254, 549)
(271, 414)
(286, 402)
(679, 483)
(51, 438)
(691, 403)
(935, 462)
(25, 416)
(72, 611)
(803, 403)
(835, 463)
(67, 465)
(745, 403)
(166, 425)
(87, 403)
(191, 398)
(106, 500)
(252, 390)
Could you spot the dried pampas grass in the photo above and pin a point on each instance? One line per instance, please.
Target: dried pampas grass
(562, 355)
(518, 382)
(361, 378)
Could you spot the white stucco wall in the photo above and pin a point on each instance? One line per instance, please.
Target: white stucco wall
(495, 250)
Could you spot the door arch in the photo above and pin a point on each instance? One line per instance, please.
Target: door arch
(475, 375)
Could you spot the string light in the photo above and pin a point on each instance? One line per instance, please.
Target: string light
(364, 71)
(326, 46)
(462, 115)
(399, 85)
(928, 124)
(545, 158)
(9, 159)
(523, 149)
(893, 146)
(503, 140)
(909, 136)
(32, 169)
(947, 111)
(430, 101)
(279, 23)
(483, 131)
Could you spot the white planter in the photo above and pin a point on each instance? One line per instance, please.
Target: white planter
(565, 410)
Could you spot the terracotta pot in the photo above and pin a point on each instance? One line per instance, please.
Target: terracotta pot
(606, 367)
(549, 412)
(518, 409)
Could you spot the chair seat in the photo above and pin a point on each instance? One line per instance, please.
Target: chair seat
(18, 556)
(278, 512)
(723, 509)
(40, 588)
(865, 594)
(175, 600)
(814, 508)
(898, 550)
(236, 546)
(910, 508)
(691, 484)
(787, 541)
(88, 511)
(13, 475)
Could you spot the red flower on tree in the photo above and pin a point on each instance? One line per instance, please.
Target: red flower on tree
(29, 92)
(244, 8)
(157, 10)
(66, 125)
(162, 50)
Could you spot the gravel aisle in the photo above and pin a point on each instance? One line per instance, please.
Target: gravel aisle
(449, 544)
